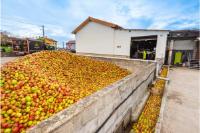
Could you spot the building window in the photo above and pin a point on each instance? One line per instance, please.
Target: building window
(118, 46)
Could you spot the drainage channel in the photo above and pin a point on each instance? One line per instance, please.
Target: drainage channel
(127, 128)
(150, 113)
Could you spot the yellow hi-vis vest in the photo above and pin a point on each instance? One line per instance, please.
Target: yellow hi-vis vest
(144, 55)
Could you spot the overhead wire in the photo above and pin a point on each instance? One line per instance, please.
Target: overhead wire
(8, 24)
(17, 20)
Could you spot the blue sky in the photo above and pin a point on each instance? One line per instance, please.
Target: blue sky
(60, 17)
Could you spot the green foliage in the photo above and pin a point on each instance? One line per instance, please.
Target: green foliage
(6, 49)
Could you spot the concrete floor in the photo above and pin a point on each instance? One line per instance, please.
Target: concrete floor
(6, 59)
(181, 112)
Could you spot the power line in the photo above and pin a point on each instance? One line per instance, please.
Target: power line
(20, 26)
(11, 19)
(8, 27)
(19, 31)
(18, 21)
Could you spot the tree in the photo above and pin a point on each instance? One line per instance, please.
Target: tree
(5, 39)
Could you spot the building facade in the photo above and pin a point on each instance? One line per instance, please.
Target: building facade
(71, 45)
(95, 36)
(182, 47)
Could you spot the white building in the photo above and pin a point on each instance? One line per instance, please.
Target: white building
(186, 44)
(71, 45)
(95, 36)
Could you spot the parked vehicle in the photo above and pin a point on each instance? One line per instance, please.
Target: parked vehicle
(26, 46)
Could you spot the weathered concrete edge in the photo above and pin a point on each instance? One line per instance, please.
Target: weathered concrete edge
(163, 103)
(132, 103)
(140, 107)
(121, 58)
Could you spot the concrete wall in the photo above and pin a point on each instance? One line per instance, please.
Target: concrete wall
(184, 45)
(95, 38)
(159, 61)
(107, 109)
(100, 39)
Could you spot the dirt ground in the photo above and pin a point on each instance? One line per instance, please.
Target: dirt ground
(7, 59)
(181, 112)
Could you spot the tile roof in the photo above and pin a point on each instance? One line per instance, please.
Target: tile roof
(89, 19)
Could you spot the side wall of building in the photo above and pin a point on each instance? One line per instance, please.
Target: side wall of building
(99, 39)
(95, 38)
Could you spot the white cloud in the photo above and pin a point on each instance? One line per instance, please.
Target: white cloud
(60, 21)
(160, 13)
(22, 29)
(187, 25)
(29, 31)
(55, 30)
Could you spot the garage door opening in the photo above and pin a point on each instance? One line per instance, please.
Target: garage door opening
(143, 47)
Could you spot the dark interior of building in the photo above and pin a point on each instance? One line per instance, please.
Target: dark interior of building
(143, 48)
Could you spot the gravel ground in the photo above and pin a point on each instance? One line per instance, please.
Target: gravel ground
(181, 112)
(7, 59)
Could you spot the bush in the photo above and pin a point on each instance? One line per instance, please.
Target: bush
(6, 49)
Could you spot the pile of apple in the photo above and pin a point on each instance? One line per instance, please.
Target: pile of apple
(164, 72)
(36, 86)
(148, 118)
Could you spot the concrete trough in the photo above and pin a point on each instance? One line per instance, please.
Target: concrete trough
(109, 109)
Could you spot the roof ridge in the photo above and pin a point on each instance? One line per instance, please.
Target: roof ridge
(106, 23)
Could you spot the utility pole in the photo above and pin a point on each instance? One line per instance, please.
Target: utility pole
(63, 45)
(44, 47)
(43, 31)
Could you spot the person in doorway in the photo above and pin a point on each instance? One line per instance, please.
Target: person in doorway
(184, 58)
(144, 55)
(178, 58)
(135, 55)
